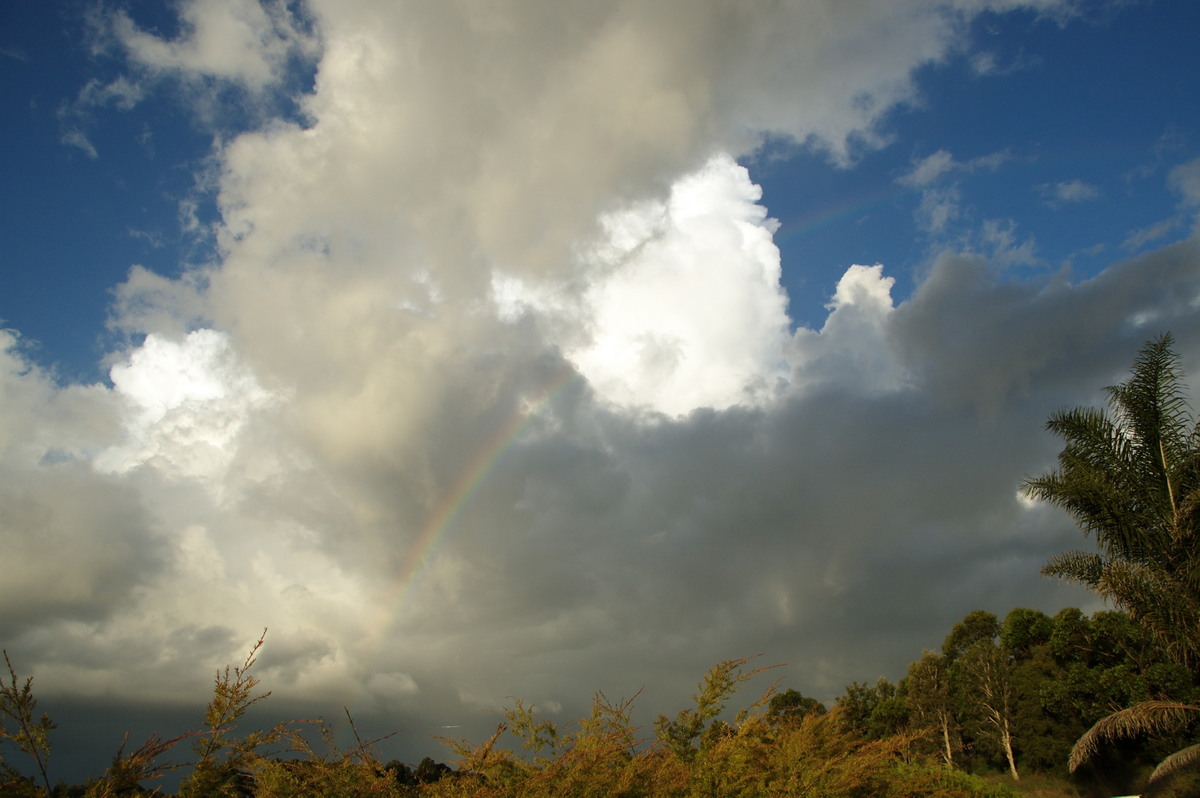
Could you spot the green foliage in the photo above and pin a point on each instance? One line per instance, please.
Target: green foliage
(981, 678)
(926, 691)
(223, 758)
(792, 704)
(31, 735)
(680, 735)
(355, 771)
(873, 711)
(977, 627)
(1023, 629)
(757, 753)
(1131, 477)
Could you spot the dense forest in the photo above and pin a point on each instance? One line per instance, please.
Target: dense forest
(1027, 704)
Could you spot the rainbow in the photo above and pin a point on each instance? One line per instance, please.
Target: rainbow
(826, 216)
(424, 548)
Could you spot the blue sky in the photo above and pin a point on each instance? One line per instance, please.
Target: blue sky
(1107, 102)
(532, 349)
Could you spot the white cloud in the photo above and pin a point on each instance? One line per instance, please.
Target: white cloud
(1146, 235)
(942, 205)
(989, 64)
(186, 403)
(938, 209)
(1069, 191)
(1185, 179)
(852, 348)
(690, 312)
(933, 168)
(241, 41)
(929, 169)
(1001, 239)
(75, 137)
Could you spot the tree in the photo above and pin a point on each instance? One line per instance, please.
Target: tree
(977, 627)
(1131, 477)
(873, 711)
(981, 676)
(1024, 629)
(428, 771)
(224, 759)
(792, 705)
(927, 690)
(31, 735)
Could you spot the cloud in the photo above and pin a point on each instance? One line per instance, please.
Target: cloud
(933, 168)
(239, 41)
(1069, 191)
(84, 541)
(76, 117)
(233, 63)
(941, 204)
(1146, 235)
(186, 403)
(1000, 238)
(938, 209)
(78, 139)
(989, 64)
(689, 313)
(492, 390)
(1185, 179)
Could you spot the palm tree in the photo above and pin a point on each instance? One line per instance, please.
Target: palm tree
(1131, 477)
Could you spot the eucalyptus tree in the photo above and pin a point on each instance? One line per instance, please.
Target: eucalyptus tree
(980, 674)
(1130, 476)
(927, 691)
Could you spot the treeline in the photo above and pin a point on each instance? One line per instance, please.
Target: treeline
(782, 744)
(1003, 699)
(1015, 695)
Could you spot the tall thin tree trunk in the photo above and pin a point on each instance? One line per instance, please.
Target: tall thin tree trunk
(948, 752)
(1006, 742)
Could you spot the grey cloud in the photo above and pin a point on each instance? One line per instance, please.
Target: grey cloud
(84, 542)
(437, 510)
(962, 304)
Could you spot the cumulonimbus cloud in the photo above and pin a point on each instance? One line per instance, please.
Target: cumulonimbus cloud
(492, 389)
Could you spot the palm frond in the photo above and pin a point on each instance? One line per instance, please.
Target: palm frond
(1146, 718)
(1178, 762)
(1161, 599)
(1152, 407)
(1078, 566)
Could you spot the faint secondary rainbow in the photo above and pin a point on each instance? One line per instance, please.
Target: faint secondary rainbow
(829, 215)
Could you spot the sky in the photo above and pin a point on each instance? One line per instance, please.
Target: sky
(533, 349)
